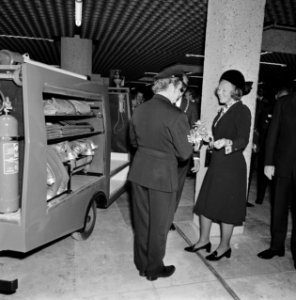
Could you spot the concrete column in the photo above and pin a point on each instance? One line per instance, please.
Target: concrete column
(233, 41)
(76, 55)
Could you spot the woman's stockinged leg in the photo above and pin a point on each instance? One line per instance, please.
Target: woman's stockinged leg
(205, 225)
(203, 242)
(205, 228)
(226, 234)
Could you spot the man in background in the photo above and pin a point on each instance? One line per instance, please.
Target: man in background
(280, 163)
(190, 105)
(264, 109)
(137, 99)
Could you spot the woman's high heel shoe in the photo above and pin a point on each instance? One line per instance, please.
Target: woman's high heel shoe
(207, 247)
(214, 256)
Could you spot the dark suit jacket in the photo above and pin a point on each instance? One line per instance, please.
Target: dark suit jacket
(264, 110)
(159, 132)
(191, 111)
(281, 138)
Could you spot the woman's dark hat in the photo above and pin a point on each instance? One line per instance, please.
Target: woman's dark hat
(237, 78)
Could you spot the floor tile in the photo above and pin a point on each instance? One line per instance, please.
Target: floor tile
(205, 290)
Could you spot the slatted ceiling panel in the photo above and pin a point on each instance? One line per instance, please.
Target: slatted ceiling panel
(40, 19)
(133, 35)
(280, 12)
(150, 26)
(288, 16)
(277, 74)
(158, 28)
(282, 58)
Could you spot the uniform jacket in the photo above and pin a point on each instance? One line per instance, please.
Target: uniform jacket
(159, 131)
(280, 148)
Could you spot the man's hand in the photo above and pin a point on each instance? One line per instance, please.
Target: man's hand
(269, 171)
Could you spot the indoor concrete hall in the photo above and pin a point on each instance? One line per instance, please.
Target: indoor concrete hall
(102, 268)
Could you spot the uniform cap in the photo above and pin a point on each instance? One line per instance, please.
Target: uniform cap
(170, 73)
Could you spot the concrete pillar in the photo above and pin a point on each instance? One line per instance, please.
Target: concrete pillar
(76, 55)
(233, 41)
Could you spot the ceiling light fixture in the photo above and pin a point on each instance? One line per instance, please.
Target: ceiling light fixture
(26, 37)
(195, 76)
(78, 12)
(265, 52)
(194, 55)
(273, 64)
(280, 27)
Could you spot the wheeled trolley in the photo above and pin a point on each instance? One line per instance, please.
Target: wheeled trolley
(62, 156)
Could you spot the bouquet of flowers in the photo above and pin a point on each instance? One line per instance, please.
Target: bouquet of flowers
(198, 133)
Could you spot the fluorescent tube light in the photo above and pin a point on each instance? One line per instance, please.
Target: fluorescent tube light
(194, 55)
(78, 12)
(265, 52)
(273, 64)
(195, 76)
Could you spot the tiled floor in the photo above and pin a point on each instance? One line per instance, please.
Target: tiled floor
(102, 267)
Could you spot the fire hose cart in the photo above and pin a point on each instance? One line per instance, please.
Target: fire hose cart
(56, 164)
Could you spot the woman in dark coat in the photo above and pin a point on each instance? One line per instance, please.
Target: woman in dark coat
(222, 197)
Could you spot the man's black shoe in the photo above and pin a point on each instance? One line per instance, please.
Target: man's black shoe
(165, 272)
(269, 253)
(173, 227)
(250, 204)
(142, 273)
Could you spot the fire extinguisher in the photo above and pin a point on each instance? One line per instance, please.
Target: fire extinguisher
(9, 160)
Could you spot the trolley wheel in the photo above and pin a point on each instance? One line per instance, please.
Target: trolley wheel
(18, 77)
(89, 223)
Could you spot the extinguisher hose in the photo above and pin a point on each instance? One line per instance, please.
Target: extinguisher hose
(3, 101)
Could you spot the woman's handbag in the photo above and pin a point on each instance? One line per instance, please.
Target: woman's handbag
(209, 152)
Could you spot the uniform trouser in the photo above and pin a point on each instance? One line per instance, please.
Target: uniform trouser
(284, 198)
(153, 213)
(183, 168)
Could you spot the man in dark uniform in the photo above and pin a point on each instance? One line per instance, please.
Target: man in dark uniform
(264, 108)
(189, 104)
(280, 162)
(159, 133)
